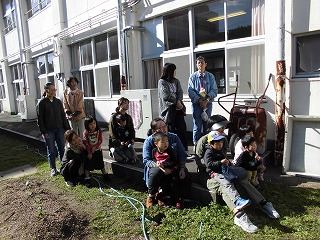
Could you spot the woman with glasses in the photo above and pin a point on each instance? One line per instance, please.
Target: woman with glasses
(52, 124)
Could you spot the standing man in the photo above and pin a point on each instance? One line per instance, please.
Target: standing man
(202, 89)
(52, 124)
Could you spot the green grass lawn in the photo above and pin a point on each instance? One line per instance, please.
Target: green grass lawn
(116, 213)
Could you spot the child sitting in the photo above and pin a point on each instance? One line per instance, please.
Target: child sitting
(165, 160)
(123, 141)
(92, 137)
(246, 130)
(248, 158)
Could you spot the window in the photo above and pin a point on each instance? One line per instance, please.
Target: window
(85, 53)
(2, 89)
(209, 23)
(308, 55)
(44, 72)
(99, 67)
(152, 72)
(17, 80)
(8, 15)
(248, 63)
(36, 6)
(176, 30)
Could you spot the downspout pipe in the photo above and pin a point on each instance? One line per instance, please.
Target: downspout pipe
(280, 86)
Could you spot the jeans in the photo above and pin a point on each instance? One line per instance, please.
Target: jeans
(199, 126)
(77, 126)
(53, 143)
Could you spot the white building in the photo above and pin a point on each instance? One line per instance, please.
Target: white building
(99, 41)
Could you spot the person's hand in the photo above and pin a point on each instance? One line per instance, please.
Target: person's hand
(258, 158)
(179, 105)
(93, 149)
(166, 171)
(123, 143)
(182, 173)
(46, 135)
(90, 156)
(225, 162)
(203, 104)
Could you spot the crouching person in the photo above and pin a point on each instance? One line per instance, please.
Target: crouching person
(74, 159)
(232, 192)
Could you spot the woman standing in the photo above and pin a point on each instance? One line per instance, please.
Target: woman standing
(171, 108)
(74, 105)
(52, 124)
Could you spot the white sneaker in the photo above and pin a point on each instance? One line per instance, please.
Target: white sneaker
(269, 210)
(244, 222)
(189, 156)
(69, 184)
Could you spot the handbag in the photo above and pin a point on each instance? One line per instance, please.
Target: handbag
(233, 173)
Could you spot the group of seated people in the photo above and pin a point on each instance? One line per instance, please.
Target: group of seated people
(164, 158)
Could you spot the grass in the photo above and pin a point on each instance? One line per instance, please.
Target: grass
(113, 217)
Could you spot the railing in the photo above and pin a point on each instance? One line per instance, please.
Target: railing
(38, 6)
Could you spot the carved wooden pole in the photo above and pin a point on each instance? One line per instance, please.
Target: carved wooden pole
(280, 110)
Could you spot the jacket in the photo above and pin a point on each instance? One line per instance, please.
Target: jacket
(51, 115)
(212, 158)
(78, 106)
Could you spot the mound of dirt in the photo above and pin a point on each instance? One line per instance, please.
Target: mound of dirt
(35, 210)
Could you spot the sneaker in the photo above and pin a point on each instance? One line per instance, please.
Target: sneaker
(270, 211)
(69, 184)
(87, 182)
(54, 172)
(242, 203)
(244, 222)
(150, 201)
(190, 156)
(159, 198)
(105, 177)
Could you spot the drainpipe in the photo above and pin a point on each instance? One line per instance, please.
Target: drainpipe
(121, 42)
(280, 87)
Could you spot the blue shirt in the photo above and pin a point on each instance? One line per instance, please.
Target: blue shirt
(209, 84)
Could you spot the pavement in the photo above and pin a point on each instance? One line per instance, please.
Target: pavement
(28, 131)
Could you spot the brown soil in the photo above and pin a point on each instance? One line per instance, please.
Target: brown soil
(34, 210)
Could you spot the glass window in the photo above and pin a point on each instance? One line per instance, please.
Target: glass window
(35, 6)
(102, 81)
(152, 72)
(308, 55)
(176, 30)
(50, 62)
(16, 71)
(75, 59)
(239, 19)
(248, 63)
(209, 22)
(113, 42)
(2, 89)
(88, 83)
(101, 48)
(8, 15)
(85, 53)
(115, 79)
(216, 66)
(41, 64)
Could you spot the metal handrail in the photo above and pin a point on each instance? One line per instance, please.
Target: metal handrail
(36, 7)
(13, 23)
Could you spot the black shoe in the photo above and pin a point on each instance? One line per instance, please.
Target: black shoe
(106, 178)
(87, 183)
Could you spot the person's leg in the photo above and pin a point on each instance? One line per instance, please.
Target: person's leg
(156, 177)
(74, 126)
(81, 128)
(204, 123)
(118, 154)
(181, 129)
(197, 122)
(247, 190)
(60, 142)
(51, 149)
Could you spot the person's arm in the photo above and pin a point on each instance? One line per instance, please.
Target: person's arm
(66, 105)
(179, 91)
(212, 91)
(65, 122)
(100, 139)
(86, 141)
(41, 114)
(148, 145)
(165, 93)
(211, 162)
(193, 92)
(132, 132)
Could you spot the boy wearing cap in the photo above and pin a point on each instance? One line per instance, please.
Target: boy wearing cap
(230, 191)
(202, 89)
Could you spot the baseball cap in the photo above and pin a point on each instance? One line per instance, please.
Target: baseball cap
(214, 136)
(220, 121)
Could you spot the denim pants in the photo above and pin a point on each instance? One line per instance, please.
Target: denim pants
(199, 126)
(53, 143)
(77, 126)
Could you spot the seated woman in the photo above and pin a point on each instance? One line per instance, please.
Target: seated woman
(74, 159)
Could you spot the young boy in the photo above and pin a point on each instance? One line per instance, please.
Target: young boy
(123, 141)
(165, 161)
(248, 159)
